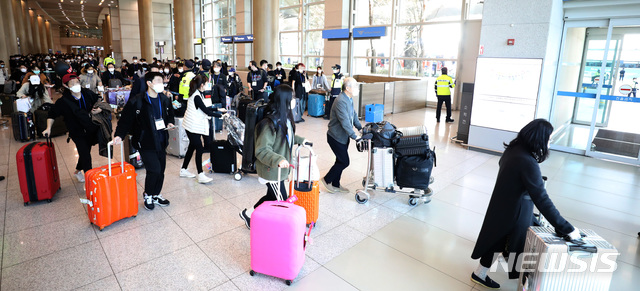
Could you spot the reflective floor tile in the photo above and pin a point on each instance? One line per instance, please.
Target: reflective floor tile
(248, 282)
(332, 243)
(230, 251)
(107, 284)
(209, 221)
(321, 279)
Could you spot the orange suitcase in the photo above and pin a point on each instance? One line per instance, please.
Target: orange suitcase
(111, 192)
(306, 189)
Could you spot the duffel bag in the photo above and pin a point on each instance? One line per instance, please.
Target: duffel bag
(384, 133)
(415, 171)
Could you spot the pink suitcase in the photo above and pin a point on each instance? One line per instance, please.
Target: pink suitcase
(278, 239)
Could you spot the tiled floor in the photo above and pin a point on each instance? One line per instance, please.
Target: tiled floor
(199, 243)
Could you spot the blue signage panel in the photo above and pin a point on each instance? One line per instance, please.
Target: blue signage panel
(369, 32)
(243, 38)
(226, 39)
(335, 33)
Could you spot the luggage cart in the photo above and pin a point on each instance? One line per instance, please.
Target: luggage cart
(362, 196)
(235, 134)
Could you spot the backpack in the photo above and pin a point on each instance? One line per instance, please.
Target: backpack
(384, 133)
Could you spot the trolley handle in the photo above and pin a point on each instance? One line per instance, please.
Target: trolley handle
(110, 156)
(308, 146)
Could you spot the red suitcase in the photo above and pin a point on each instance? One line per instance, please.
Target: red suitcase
(111, 192)
(38, 171)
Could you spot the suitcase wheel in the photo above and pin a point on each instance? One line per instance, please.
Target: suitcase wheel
(237, 176)
(361, 200)
(101, 228)
(49, 200)
(26, 203)
(413, 201)
(288, 282)
(252, 273)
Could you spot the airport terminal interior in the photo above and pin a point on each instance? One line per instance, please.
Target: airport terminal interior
(572, 62)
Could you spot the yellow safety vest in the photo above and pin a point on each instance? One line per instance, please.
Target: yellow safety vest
(108, 60)
(184, 85)
(443, 85)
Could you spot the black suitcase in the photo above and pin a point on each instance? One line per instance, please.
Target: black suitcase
(41, 115)
(131, 154)
(242, 108)
(255, 113)
(7, 103)
(415, 171)
(23, 126)
(223, 157)
(412, 145)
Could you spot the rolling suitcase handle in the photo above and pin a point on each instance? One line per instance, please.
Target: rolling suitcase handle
(109, 156)
(50, 144)
(308, 146)
(292, 197)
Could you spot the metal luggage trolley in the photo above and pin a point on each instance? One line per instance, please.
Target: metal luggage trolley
(235, 134)
(362, 196)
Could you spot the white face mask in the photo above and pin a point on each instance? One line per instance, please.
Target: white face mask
(217, 70)
(231, 73)
(166, 71)
(112, 70)
(180, 70)
(75, 88)
(335, 71)
(23, 70)
(34, 80)
(279, 67)
(135, 61)
(89, 72)
(319, 71)
(158, 88)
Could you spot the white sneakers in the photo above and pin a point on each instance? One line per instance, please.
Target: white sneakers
(202, 178)
(80, 176)
(186, 174)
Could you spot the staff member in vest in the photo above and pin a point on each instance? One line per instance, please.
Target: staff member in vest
(147, 116)
(519, 186)
(196, 124)
(337, 79)
(109, 60)
(76, 106)
(443, 86)
(343, 119)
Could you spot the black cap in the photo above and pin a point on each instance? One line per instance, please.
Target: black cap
(338, 67)
(206, 64)
(189, 64)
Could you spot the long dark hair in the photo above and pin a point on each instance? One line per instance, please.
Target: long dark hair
(196, 83)
(535, 138)
(279, 111)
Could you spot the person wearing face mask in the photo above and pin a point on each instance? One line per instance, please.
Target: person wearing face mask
(275, 136)
(219, 85)
(343, 119)
(147, 116)
(337, 79)
(91, 80)
(134, 68)
(139, 83)
(19, 75)
(234, 83)
(298, 84)
(77, 107)
(196, 123)
(124, 69)
(320, 80)
(35, 89)
(176, 76)
(166, 72)
(112, 78)
(257, 80)
(279, 72)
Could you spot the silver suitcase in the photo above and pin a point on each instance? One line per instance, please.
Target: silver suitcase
(551, 263)
(178, 140)
(383, 168)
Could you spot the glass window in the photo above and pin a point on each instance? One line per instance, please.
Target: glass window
(366, 66)
(373, 12)
(285, 3)
(474, 9)
(413, 11)
(313, 63)
(290, 43)
(208, 29)
(416, 41)
(372, 47)
(222, 9)
(315, 43)
(289, 62)
(289, 19)
(315, 17)
(222, 27)
(207, 12)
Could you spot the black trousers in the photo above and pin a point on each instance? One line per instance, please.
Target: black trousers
(195, 144)
(327, 109)
(155, 162)
(447, 101)
(342, 161)
(271, 193)
(83, 146)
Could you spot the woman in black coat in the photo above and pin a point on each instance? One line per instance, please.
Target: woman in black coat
(510, 213)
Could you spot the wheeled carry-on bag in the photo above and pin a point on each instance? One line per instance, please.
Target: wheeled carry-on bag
(24, 128)
(223, 157)
(111, 191)
(588, 263)
(415, 171)
(383, 167)
(178, 140)
(38, 171)
(316, 105)
(255, 113)
(411, 141)
(305, 184)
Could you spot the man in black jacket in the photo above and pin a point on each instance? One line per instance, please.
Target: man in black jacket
(147, 116)
(76, 106)
(112, 74)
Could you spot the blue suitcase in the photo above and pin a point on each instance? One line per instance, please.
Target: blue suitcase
(374, 113)
(316, 105)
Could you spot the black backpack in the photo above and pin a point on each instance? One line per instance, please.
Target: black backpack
(384, 133)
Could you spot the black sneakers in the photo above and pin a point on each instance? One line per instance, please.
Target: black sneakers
(148, 202)
(158, 199)
(487, 282)
(449, 120)
(246, 218)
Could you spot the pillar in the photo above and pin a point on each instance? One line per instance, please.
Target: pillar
(145, 17)
(108, 49)
(44, 44)
(47, 27)
(9, 23)
(4, 53)
(184, 28)
(21, 33)
(28, 33)
(35, 32)
(265, 30)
